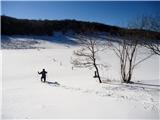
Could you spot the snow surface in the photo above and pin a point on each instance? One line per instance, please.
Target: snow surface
(73, 92)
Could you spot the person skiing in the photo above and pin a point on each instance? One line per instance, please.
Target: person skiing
(43, 73)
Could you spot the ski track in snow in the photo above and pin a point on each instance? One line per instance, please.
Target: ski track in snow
(119, 92)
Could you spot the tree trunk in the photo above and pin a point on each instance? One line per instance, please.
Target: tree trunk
(95, 74)
(129, 76)
(123, 73)
(130, 71)
(97, 71)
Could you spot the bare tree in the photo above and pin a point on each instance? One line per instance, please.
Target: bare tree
(152, 23)
(154, 47)
(127, 50)
(146, 22)
(86, 56)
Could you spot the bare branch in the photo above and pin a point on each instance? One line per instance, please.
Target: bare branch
(127, 52)
(87, 54)
(140, 61)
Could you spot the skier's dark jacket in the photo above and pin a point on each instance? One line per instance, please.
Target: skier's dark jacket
(43, 73)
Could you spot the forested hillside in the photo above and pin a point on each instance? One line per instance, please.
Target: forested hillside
(13, 26)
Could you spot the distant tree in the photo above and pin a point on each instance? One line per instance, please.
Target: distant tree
(152, 23)
(154, 47)
(86, 56)
(146, 22)
(128, 52)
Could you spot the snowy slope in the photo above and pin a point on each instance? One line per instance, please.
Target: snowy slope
(34, 42)
(42, 42)
(73, 92)
(0, 84)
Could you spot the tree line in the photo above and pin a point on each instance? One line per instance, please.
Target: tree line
(14, 26)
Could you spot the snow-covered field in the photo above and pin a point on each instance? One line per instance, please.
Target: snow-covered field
(73, 92)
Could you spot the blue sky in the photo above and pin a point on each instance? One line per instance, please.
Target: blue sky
(108, 12)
